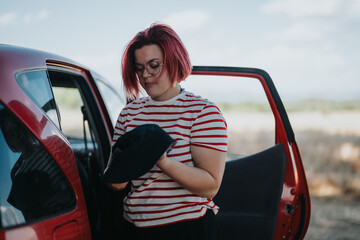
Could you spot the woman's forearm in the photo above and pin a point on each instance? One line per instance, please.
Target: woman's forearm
(204, 179)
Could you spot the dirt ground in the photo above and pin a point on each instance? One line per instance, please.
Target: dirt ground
(334, 219)
(330, 145)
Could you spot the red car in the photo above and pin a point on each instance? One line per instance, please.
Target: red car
(56, 121)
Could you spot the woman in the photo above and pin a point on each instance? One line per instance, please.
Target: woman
(174, 199)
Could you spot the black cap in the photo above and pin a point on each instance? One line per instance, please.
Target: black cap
(136, 152)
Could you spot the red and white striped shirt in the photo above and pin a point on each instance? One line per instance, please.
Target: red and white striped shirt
(155, 199)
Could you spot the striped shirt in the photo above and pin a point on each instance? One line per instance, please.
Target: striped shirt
(155, 199)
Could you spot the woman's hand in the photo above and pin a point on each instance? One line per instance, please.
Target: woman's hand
(117, 186)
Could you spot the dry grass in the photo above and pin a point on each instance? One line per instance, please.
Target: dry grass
(332, 163)
(331, 157)
(329, 143)
(330, 148)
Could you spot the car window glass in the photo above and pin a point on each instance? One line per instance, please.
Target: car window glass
(113, 102)
(32, 186)
(251, 124)
(69, 103)
(36, 85)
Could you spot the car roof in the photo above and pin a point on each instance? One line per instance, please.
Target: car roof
(15, 57)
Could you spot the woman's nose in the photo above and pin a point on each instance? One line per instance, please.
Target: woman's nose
(145, 73)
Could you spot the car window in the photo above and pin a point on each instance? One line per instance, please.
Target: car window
(37, 86)
(243, 102)
(32, 186)
(69, 103)
(113, 102)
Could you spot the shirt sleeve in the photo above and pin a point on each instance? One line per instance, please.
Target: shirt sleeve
(209, 130)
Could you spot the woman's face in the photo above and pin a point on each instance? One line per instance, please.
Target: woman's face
(153, 76)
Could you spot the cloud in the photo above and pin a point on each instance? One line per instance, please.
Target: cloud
(36, 17)
(297, 71)
(187, 20)
(305, 8)
(301, 8)
(294, 58)
(11, 17)
(7, 18)
(300, 31)
(353, 8)
(300, 71)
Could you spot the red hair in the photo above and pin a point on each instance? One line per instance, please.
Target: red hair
(176, 57)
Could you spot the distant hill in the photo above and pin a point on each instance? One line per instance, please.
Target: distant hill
(314, 104)
(311, 104)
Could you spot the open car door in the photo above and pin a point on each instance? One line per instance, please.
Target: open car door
(264, 193)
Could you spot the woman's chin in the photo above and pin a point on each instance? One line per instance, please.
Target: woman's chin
(152, 94)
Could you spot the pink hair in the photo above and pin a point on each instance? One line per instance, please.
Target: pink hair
(176, 57)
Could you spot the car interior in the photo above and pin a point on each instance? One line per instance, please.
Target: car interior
(253, 206)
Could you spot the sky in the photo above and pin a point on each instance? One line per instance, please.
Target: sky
(310, 48)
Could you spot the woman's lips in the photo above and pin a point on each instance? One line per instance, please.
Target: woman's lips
(148, 85)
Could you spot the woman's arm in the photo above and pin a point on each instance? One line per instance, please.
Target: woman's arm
(117, 186)
(204, 179)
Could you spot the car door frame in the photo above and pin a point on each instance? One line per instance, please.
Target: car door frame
(100, 119)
